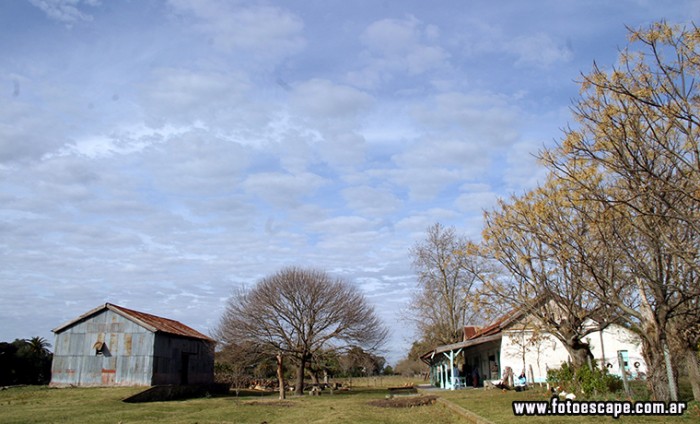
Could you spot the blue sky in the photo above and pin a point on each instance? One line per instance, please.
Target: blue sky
(156, 154)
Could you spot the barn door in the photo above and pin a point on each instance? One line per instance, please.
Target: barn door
(185, 368)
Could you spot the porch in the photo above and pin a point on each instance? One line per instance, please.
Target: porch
(465, 364)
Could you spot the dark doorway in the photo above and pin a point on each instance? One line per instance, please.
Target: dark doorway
(185, 368)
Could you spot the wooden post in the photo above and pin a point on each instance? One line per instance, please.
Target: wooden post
(603, 365)
(444, 376)
(452, 370)
(623, 371)
(669, 373)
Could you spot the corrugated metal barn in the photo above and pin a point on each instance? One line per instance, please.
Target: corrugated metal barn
(115, 346)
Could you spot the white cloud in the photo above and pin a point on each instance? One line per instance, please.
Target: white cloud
(26, 133)
(67, 11)
(341, 225)
(323, 99)
(265, 31)
(539, 50)
(487, 119)
(392, 36)
(396, 46)
(433, 152)
(198, 161)
(522, 170)
(333, 112)
(283, 189)
(475, 198)
(371, 201)
(416, 224)
(189, 97)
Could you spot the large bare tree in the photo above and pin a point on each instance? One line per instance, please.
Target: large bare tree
(448, 272)
(296, 312)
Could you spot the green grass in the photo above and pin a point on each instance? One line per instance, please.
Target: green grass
(104, 405)
(496, 406)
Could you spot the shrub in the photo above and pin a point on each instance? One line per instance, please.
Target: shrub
(584, 380)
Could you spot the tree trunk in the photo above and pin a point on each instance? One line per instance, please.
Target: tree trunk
(299, 387)
(657, 378)
(579, 353)
(691, 358)
(280, 376)
(314, 377)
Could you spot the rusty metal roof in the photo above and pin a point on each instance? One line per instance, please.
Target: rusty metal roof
(164, 325)
(151, 322)
(489, 333)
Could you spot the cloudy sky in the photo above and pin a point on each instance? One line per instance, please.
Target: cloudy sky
(156, 154)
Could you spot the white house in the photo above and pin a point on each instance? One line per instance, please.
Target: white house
(517, 341)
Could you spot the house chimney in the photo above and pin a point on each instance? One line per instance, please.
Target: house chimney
(469, 331)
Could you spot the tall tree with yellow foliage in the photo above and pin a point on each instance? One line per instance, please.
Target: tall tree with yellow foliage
(635, 153)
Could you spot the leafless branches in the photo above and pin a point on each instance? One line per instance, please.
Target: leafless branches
(297, 312)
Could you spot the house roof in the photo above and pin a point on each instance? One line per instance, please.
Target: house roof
(150, 322)
(462, 345)
(489, 333)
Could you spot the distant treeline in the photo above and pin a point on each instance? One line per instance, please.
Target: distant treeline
(25, 361)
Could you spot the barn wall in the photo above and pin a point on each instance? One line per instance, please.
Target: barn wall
(180, 360)
(127, 360)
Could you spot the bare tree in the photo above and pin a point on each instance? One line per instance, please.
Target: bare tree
(235, 363)
(297, 312)
(448, 271)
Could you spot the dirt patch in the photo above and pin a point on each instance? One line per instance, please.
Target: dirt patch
(404, 402)
(280, 403)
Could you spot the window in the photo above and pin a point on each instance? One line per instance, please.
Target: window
(99, 348)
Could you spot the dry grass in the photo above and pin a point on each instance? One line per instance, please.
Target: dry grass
(104, 405)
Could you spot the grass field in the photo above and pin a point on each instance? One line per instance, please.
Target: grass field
(496, 406)
(40, 404)
(104, 405)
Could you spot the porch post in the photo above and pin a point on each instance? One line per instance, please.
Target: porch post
(444, 376)
(452, 370)
(450, 373)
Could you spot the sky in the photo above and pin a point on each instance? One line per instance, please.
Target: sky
(157, 154)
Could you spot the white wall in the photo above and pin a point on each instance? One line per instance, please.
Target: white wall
(543, 351)
(617, 338)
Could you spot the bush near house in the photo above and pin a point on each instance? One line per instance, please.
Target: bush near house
(584, 380)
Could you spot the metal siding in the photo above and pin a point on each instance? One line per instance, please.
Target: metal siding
(136, 357)
(168, 355)
(75, 361)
